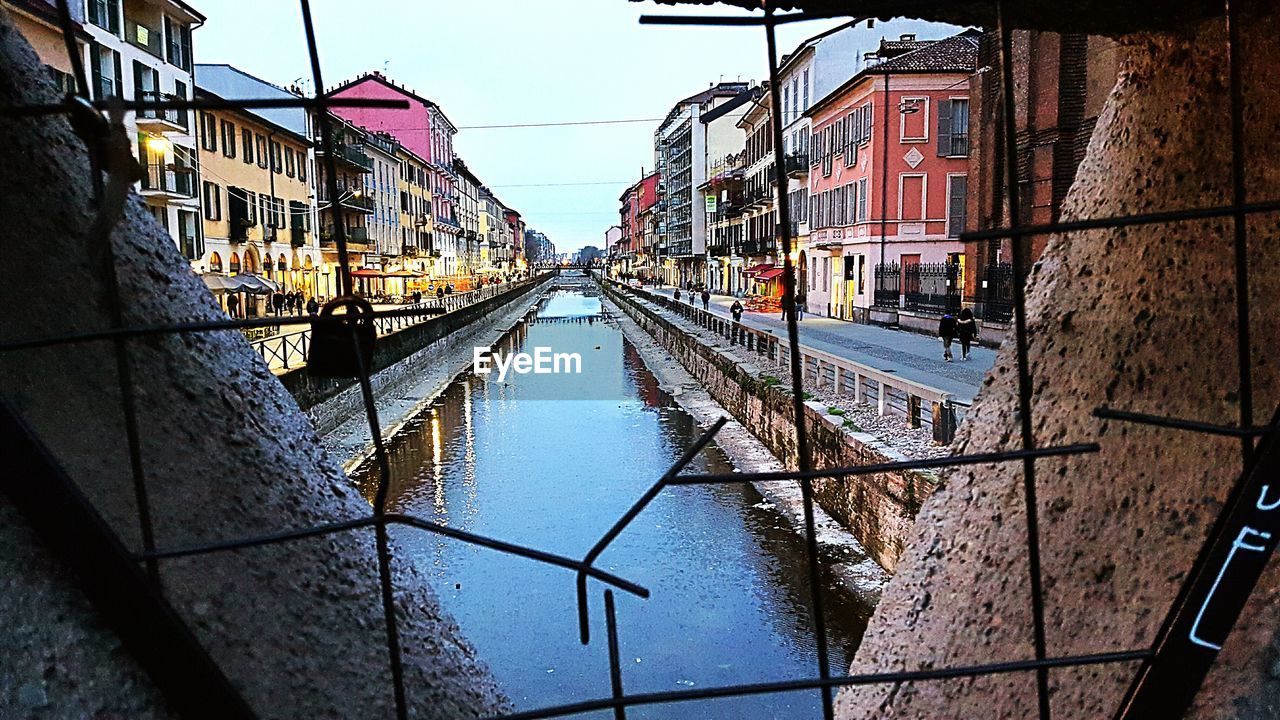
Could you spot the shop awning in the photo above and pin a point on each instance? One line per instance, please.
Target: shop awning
(367, 273)
(769, 274)
(759, 268)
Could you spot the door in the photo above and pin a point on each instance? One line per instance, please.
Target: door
(837, 283)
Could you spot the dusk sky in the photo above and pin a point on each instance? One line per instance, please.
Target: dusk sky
(502, 62)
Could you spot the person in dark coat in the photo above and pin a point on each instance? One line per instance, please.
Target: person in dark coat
(277, 302)
(947, 331)
(677, 295)
(966, 331)
(736, 311)
(801, 299)
(313, 307)
(299, 300)
(706, 300)
(439, 292)
(233, 306)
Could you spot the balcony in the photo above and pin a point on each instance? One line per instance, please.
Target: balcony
(353, 156)
(168, 182)
(357, 238)
(350, 201)
(143, 36)
(797, 165)
(160, 121)
(297, 237)
(759, 247)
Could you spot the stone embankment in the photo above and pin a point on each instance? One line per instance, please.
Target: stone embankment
(878, 508)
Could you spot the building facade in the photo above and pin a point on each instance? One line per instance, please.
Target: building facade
(382, 189)
(256, 204)
(350, 208)
(887, 185)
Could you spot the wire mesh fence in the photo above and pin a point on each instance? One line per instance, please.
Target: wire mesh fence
(115, 172)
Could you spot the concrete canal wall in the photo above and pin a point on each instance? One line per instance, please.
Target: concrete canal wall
(878, 509)
(398, 358)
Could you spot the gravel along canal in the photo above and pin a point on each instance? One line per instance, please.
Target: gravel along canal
(552, 460)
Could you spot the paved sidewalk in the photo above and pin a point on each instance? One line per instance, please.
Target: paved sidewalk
(911, 355)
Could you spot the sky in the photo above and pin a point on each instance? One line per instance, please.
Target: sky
(505, 62)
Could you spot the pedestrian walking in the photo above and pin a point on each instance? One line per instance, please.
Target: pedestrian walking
(299, 300)
(947, 331)
(289, 303)
(440, 292)
(801, 299)
(966, 330)
(706, 300)
(677, 295)
(277, 302)
(313, 307)
(736, 311)
(233, 306)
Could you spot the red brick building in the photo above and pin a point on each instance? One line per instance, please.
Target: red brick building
(1060, 83)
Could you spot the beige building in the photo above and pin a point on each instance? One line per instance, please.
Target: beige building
(256, 182)
(415, 212)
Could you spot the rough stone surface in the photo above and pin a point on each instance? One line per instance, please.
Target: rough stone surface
(1139, 318)
(297, 627)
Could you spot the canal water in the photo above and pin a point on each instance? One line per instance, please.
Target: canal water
(552, 461)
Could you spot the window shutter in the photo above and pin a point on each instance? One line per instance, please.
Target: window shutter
(95, 67)
(956, 205)
(944, 128)
(119, 88)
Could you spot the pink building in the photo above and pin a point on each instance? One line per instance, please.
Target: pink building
(424, 129)
(887, 186)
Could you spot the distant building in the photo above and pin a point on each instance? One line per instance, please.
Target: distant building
(680, 157)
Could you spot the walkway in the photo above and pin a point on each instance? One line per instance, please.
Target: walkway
(910, 355)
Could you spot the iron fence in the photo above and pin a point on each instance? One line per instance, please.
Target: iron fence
(888, 285)
(932, 287)
(1163, 686)
(993, 293)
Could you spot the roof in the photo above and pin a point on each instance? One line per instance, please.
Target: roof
(956, 54)
(717, 90)
(228, 81)
(808, 44)
(203, 92)
(381, 79)
(893, 48)
(735, 102)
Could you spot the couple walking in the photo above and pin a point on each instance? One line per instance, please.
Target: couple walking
(951, 328)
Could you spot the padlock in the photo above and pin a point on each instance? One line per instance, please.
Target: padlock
(336, 339)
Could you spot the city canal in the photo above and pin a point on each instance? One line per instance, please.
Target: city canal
(552, 461)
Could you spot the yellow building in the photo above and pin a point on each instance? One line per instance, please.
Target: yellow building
(415, 213)
(256, 199)
(38, 21)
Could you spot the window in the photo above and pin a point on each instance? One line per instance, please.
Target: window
(180, 92)
(288, 162)
(786, 103)
(237, 214)
(302, 165)
(228, 139)
(862, 200)
(105, 14)
(179, 47)
(957, 192)
(806, 88)
(953, 127)
(208, 132)
(795, 98)
(914, 126)
(246, 140)
(911, 204)
(260, 143)
(868, 121)
(212, 201)
(277, 164)
(190, 241)
(108, 76)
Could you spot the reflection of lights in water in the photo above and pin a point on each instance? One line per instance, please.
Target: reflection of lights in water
(469, 428)
(437, 451)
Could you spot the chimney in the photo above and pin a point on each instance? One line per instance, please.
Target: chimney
(908, 37)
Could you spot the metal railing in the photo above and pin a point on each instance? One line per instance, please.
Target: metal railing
(892, 394)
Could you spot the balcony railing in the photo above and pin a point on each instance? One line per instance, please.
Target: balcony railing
(358, 235)
(175, 117)
(354, 155)
(169, 179)
(143, 36)
(797, 164)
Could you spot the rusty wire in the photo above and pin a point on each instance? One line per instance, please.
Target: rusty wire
(107, 159)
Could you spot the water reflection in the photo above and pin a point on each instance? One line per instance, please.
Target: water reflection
(730, 600)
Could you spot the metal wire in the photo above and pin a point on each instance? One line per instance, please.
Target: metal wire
(81, 109)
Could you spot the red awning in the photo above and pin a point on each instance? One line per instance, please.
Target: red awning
(758, 268)
(366, 273)
(769, 274)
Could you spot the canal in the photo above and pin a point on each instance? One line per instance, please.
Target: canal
(551, 461)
